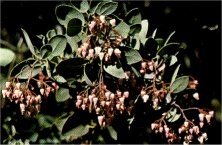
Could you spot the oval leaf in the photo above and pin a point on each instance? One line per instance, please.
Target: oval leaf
(123, 29)
(106, 8)
(77, 132)
(62, 94)
(173, 116)
(179, 84)
(132, 56)
(6, 56)
(112, 132)
(27, 72)
(60, 122)
(115, 70)
(58, 44)
(74, 27)
(175, 74)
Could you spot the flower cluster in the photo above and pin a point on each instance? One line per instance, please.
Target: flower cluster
(26, 96)
(100, 27)
(103, 102)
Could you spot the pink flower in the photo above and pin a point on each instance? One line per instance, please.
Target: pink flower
(113, 22)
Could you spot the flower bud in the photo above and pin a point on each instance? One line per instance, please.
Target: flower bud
(42, 91)
(142, 71)
(79, 50)
(153, 126)
(110, 51)
(107, 95)
(113, 22)
(7, 84)
(101, 55)
(112, 96)
(179, 130)
(142, 93)
(196, 129)
(161, 129)
(102, 103)
(108, 103)
(201, 124)
(117, 52)
(83, 106)
(126, 94)
(90, 98)
(18, 86)
(97, 110)
(38, 99)
(22, 107)
(91, 51)
(204, 135)
(151, 67)
(79, 97)
(37, 107)
(167, 130)
(102, 18)
(83, 54)
(8, 93)
(4, 93)
(85, 100)
(118, 106)
(191, 130)
(186, 124)
(95, 100)
(100, 119)
(211, 113)
(98, 50)
(145, 98)
(196, 96)
(122, 100)
(195, 82)
(143, 65)
(201, 117)
(208, 118)
(119, 94)
(78, 103)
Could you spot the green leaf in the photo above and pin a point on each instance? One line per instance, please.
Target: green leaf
(175, 74)
(132, 56)
(135, 29)
(144, 30)
(50, 34)
(170, 48)
(168, 39)
(148, 76)
(106, 8)
(84, 6)
(173, 60)
(33, 138)
(60, 122)
(45, 51)
(45, 121)
(72, 43)
(123, 29)
(112, 132)
(17, 68)
(135, 72)
(134, 16)
(62, 94)
(71, 67)
(65, 13)
(173, 116)
(168, 98)
(29, 43)
(74, 27)
(58, 44)
(7, 56)
(154, 33)
(27, 72)
(77, 132)
(88, 73)
(93, 9)
(179, 84)
(115, 70)
(59, 79)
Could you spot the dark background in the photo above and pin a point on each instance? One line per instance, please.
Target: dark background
(197, 24)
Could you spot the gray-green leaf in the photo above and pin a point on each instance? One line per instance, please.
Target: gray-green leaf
(62, 94)
(132, 56)
(123, 29)
(115, 70)
(77, 132)
(179, 84)
(6, 56)
(112, 132)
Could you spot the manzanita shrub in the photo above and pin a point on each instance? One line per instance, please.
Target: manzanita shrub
(106, 68)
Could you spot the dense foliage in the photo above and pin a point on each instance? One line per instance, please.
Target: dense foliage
(102, 75)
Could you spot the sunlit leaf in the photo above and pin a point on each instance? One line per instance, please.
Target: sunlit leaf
(173, 115)
(112, 132)
(132, 56)
(115, 70)
(77, 132)
(62, 94)
(179, 84)
(6, 56)
(175, 74)
(106, 8)
(123, 29)
(28, 71)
